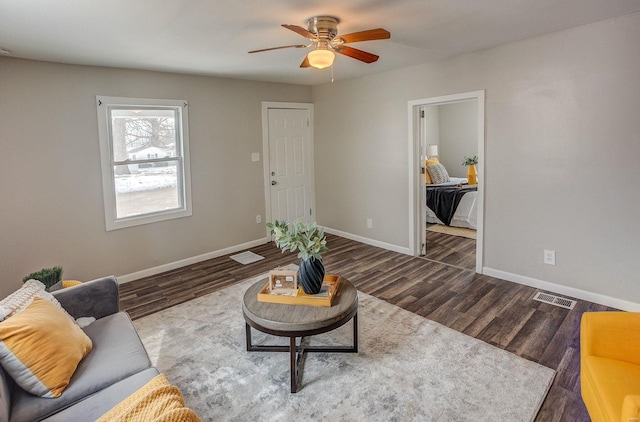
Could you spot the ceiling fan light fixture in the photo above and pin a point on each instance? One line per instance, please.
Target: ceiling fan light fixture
(321, 58)
(323, 34)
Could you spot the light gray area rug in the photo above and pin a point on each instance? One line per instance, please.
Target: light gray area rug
(407, 368)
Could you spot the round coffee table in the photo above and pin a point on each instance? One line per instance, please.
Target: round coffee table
(295, 321)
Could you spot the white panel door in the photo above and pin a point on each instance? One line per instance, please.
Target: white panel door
(290, 164)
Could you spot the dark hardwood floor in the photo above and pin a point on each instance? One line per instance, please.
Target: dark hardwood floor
(498, 312)
(453, 250)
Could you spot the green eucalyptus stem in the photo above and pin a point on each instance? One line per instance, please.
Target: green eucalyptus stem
(308, 239)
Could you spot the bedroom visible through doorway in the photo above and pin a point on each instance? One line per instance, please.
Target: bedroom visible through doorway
(448, 134)
(447, 224)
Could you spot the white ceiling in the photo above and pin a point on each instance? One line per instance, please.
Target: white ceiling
(212, 37)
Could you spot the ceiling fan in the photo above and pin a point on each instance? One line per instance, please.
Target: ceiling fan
(323, 33)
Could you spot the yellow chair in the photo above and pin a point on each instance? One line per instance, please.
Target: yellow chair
(610, 365)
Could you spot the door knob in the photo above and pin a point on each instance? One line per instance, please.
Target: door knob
(273, 183)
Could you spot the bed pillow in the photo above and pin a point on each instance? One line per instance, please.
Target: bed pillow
(40, 348)
(432, 160)
(21, 298)
(438, 173)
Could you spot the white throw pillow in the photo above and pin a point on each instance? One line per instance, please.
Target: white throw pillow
(21, 298)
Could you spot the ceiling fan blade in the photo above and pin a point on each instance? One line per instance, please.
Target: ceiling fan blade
(363, 56)
(305, 62)
(300, 30)
(278, 48)
(371, 34)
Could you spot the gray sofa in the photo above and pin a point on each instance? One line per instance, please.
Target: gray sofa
(116, 367)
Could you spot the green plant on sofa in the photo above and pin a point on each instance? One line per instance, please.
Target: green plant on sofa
(48, 276)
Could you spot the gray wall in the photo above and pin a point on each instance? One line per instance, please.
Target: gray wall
(432, 129)
(562, 147)
(50, 182)
(458, 135)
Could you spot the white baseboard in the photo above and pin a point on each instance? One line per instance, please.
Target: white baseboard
(189, 261)
(564, 290)
(365, 240)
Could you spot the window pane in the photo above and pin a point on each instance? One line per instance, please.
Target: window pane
(144, 152)
(146, 188)
(139, 134)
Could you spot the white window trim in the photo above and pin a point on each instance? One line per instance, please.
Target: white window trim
(108, 185)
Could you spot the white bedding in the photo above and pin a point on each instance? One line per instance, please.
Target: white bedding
(465, 215)
(452, 182)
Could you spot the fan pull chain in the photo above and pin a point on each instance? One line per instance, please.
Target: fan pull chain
(332, 73)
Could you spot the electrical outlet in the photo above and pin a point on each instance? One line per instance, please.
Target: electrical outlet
(255, 156)
(369, 223)
(549, 257)
(258, 219)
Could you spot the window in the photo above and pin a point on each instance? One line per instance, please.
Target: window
(144, 149)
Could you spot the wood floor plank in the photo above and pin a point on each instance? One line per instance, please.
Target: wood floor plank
(505, 327)
(534, 335)
(555, 405)
(496, 311)
(453, 250)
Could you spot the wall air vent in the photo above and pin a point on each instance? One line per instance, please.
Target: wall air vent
(555, 300)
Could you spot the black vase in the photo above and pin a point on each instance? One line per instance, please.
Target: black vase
(310, 275)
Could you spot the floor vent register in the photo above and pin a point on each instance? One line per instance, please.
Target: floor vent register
(555, 300)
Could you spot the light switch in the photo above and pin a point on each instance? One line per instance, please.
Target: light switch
(255, 156)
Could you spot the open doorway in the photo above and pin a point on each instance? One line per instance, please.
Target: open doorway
(447, 212)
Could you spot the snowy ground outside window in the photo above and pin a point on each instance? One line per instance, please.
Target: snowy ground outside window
(146, 180)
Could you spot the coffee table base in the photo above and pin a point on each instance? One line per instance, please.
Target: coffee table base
(297, 353)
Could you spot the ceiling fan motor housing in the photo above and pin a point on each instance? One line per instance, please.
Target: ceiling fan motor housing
(325, 27)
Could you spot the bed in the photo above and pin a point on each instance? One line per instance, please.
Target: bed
(452, 204)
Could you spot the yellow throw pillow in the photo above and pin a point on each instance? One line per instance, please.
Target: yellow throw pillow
(432, 160)
(70, 283)
(155, 401)
(41, 347)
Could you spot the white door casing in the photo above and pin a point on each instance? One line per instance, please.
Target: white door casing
(288, 162)
(423, 181)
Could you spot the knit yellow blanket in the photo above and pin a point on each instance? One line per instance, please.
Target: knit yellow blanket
(156, 401)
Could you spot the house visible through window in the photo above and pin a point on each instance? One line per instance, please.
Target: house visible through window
(144, 147)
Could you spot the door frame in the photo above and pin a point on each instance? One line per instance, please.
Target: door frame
(266, 105)
(415, 165)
